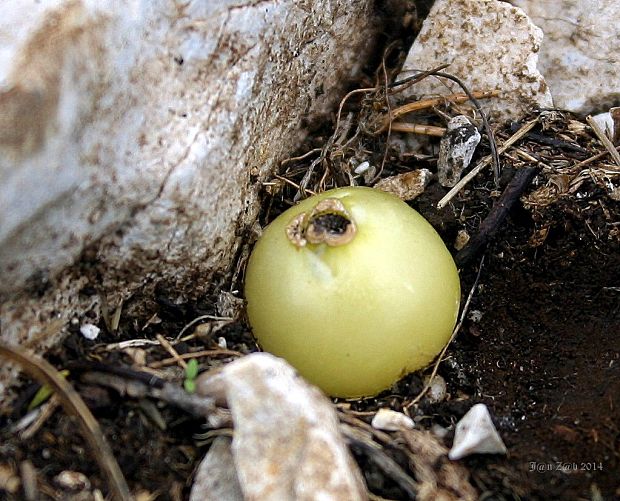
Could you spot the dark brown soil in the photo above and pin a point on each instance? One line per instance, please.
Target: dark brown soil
(545, 358)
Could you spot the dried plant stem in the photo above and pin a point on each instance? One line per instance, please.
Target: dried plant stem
(498, 213)
(589, 160)
(486, 161)
(456, 330)
(195, 354)
(199, 319)
(168, 347)
(604, 139)
(73, 404)
(427, 130)
(435, 101)
(364, 444)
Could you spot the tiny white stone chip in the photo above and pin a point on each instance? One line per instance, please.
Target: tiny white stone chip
(90, 331)
(476, 434)
(389, 420)
(437, 390)
(363, 167)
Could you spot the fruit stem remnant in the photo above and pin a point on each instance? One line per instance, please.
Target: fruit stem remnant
(328, 223)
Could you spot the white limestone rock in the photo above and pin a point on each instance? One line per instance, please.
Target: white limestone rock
(475, 433)
(216, 477)
(489, 45)
(134, 136)
(286, 444)
(579, 56)
(389, 420)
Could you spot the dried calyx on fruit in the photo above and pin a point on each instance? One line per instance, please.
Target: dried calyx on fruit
(354, 288)
(328, 223)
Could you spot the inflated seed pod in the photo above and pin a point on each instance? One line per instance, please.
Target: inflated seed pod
(353, 288)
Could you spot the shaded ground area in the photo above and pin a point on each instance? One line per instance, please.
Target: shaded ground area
(545, 358)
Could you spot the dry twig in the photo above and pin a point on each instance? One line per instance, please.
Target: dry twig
(424, 104)
(195, 354)
(427, 130)
(168, 347)
(497, 214)
(364, 444)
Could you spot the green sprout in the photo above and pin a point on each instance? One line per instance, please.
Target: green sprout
(191, 372)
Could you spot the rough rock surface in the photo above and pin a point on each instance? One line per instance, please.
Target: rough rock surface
(216, 478)
(489, 45)
(286, 444)
(134, 137)
(580, 53)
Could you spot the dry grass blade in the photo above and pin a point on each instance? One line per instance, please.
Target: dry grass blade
(486, 161)
(74, 405)
(195, 354)
(436, 475)
(168, 347)
(364, 444)
(604, 139)
(443, 352)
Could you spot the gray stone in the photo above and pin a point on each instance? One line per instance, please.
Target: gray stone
(580, 53)
(216, 478)
(490, 45)
(286, 444)
(456, 150)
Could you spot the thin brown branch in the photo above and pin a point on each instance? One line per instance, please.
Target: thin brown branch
(168, 347)
(431, 102)
(407, 82)
(196, 354)
(498, 213)
(300, 157)
(363, 444)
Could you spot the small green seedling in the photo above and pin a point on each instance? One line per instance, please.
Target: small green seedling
(44, 393)
(191, 372)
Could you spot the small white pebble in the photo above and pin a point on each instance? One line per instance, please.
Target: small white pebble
(90, 331)
(437, 390)
(363, 167)
(462, 239)
(389, 420)
(475, 316)
(221, 342)
(72, 480)
(476, 434)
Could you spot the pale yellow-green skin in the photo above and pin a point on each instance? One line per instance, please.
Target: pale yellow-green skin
(354, 319)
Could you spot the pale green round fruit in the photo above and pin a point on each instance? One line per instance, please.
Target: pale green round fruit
(354, 289)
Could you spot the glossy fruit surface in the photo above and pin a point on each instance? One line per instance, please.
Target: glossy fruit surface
(354, 289)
